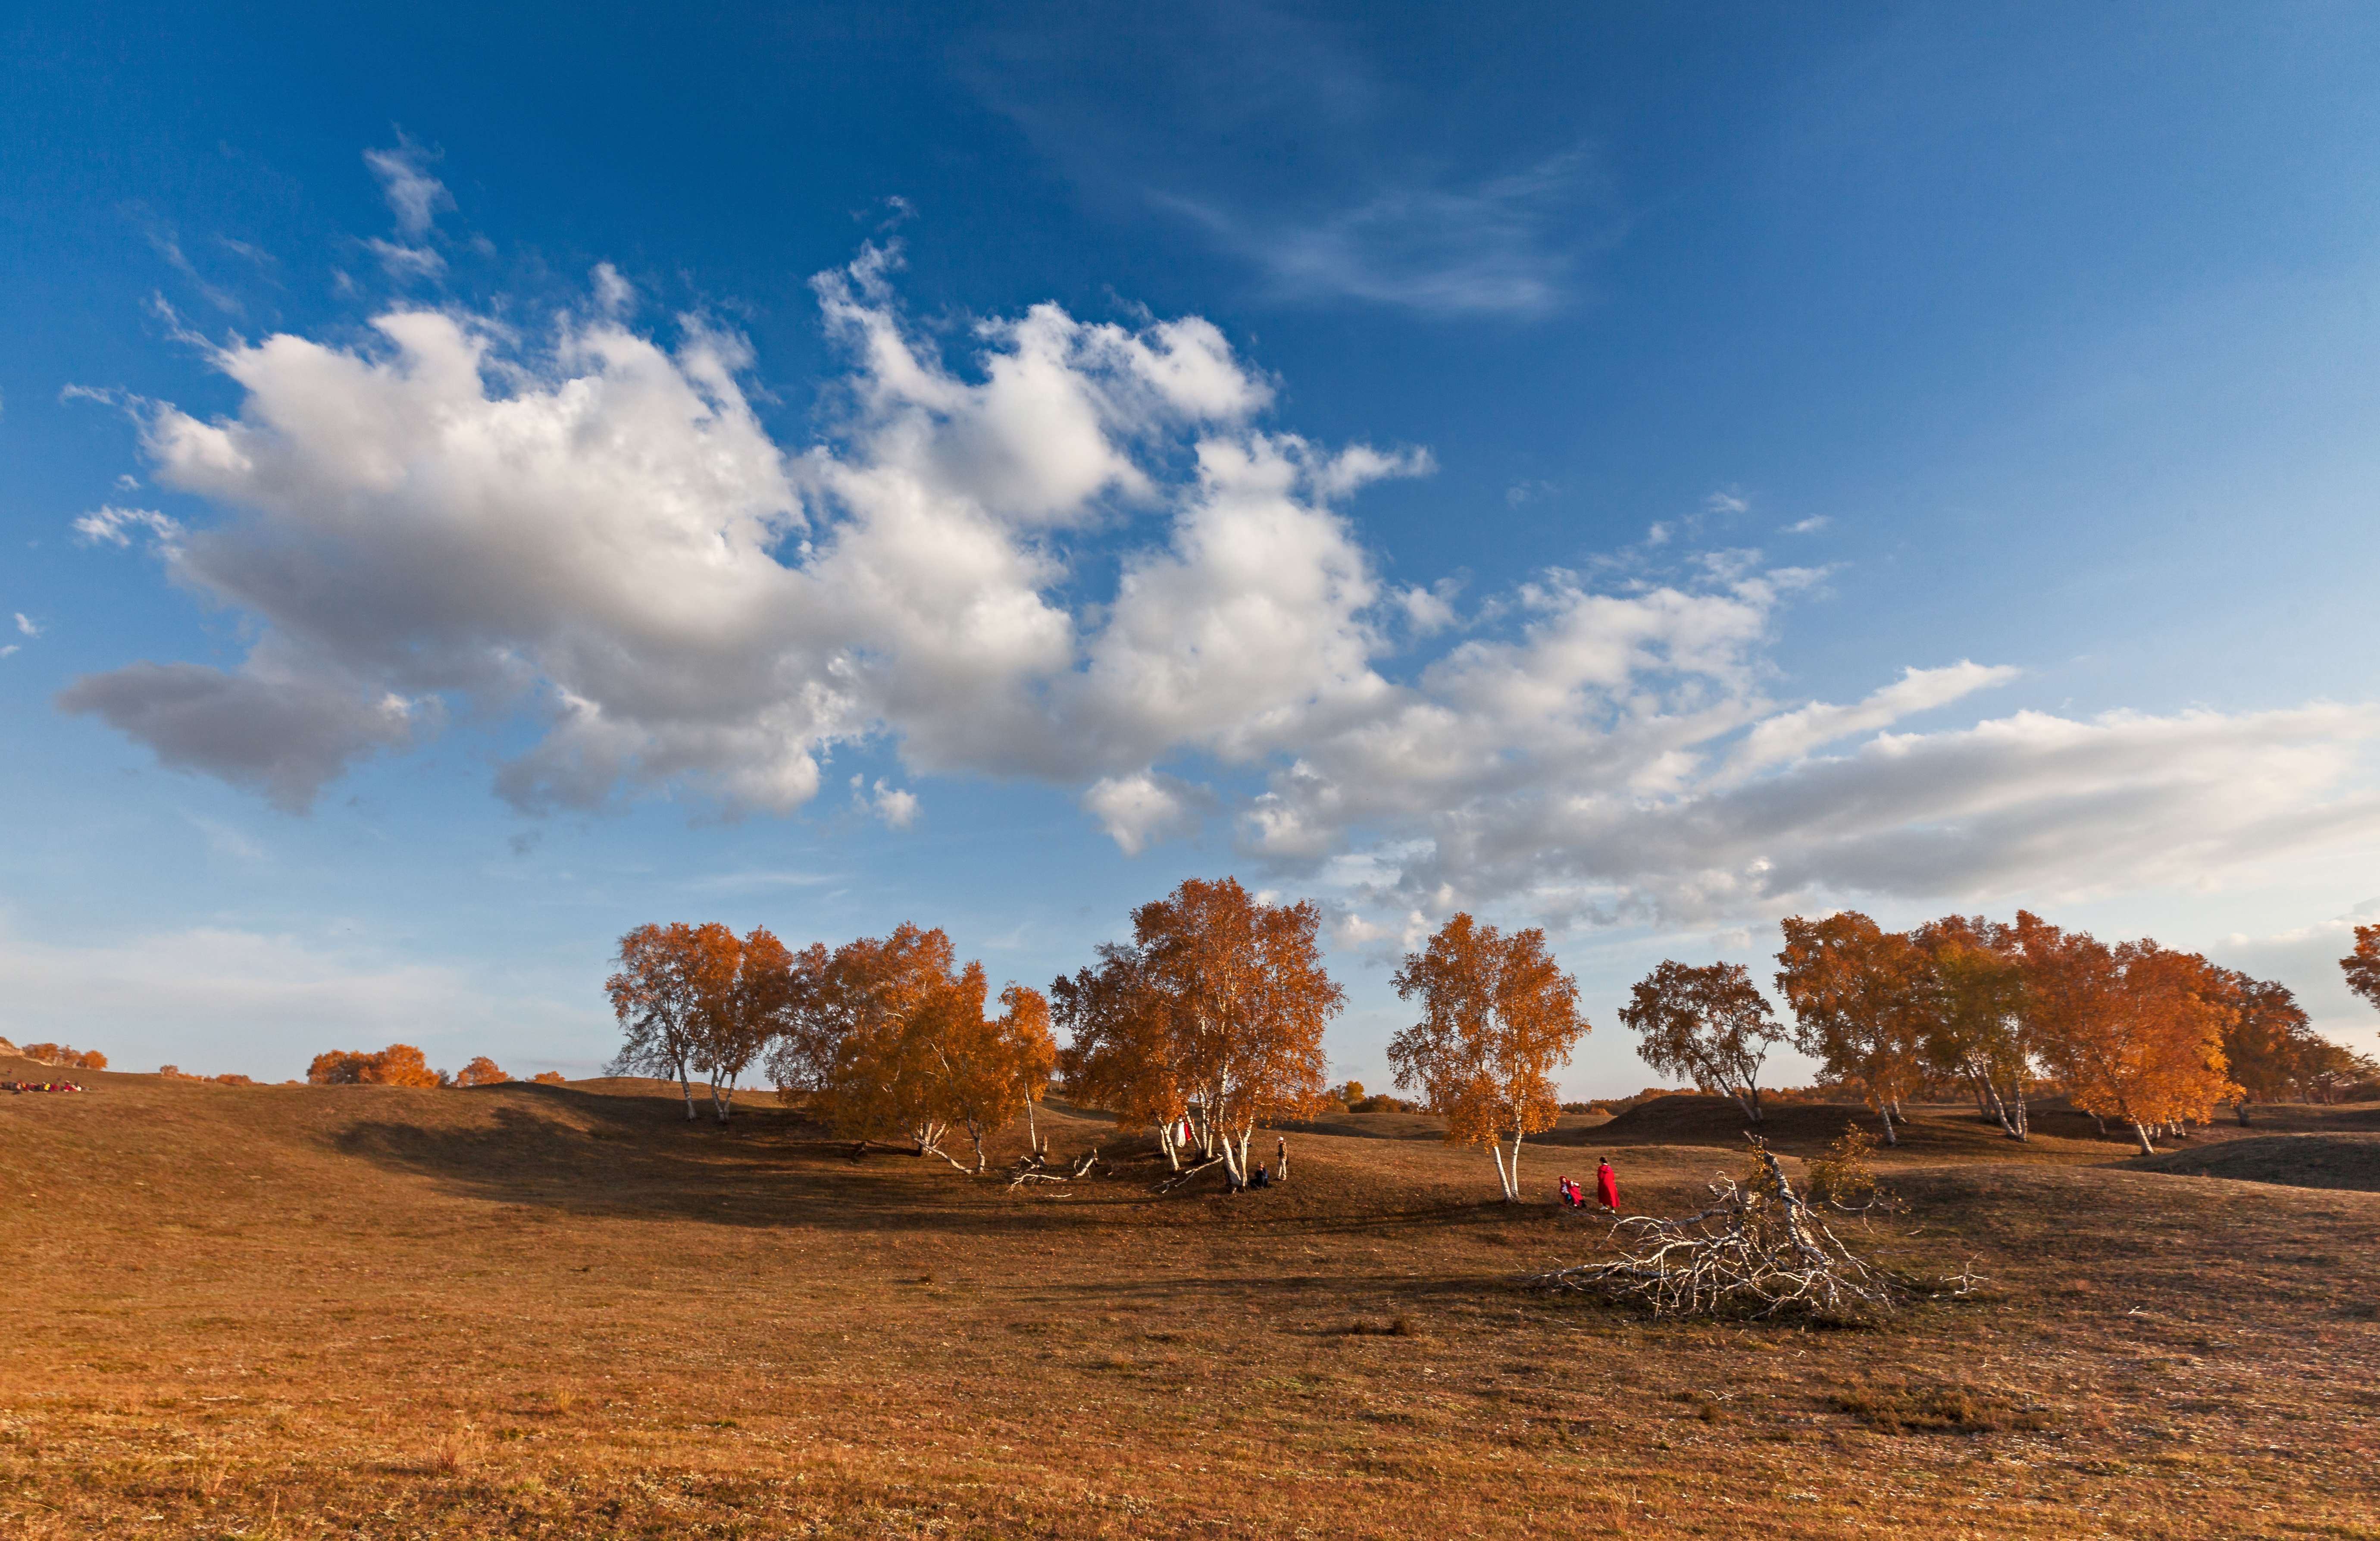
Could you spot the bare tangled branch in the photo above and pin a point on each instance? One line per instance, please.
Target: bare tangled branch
(1035, 1168)
(1759, 1251)
(1185, 1174)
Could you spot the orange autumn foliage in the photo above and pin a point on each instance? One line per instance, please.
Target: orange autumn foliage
(1498, 1016)
(2135, 1030)
(400, 1064)
(60, 1054)
(887, 1036)
(1212, 1016)
(673, 981)
(2362, 965)
(551, 1078)
(1858, 1000)
(481, 1072)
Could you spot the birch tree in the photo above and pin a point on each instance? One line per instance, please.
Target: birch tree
(741, 1021)
(2268, 1043)
(1974, 1020)
(1854, 989)
(2362, 965)
(1028, 1051)
(1210, 1021)
(888, 1037)
(1119, 1051)
(1497, 1017)
(990, 1069)
(2135, 1031)
(1710, 1024)
(671, 977)
(882, 1013)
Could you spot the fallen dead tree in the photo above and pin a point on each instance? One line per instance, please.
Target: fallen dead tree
(1035, 1168)
(1759, 1251)
(1190, 1173)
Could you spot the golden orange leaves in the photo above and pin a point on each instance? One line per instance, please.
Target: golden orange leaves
(2362, 965)
(400, 1064)
(1497, 1017)
(1207, 1025)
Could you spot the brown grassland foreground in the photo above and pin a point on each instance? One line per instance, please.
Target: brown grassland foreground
(535, 1310)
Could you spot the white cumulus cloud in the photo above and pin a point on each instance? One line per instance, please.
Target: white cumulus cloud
(594, 529)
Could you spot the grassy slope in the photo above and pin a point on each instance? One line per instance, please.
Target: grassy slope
(535, 1310)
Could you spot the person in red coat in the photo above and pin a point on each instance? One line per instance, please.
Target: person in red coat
(1606, 1186)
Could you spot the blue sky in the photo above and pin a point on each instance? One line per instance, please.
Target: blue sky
(474, 482)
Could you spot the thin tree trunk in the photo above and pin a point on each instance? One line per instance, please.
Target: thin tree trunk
(1496, 1148)
(2141, 1132)
(1512, 1189)
(685, 1083)
(1889, 1137)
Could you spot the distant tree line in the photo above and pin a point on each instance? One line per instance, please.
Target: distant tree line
(62, 1055)
(2132, 1031)
(1207, 1025)
(401, 1064)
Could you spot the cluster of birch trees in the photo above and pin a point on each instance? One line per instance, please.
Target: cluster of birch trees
(2134, 1031)
(882, 1036)
(1207, 1025)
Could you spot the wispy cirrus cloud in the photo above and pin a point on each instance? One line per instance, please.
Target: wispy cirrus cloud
(1508, 243)
(413, 195)
(1264, 129)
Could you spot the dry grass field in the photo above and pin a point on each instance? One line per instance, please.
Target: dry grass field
(528, 1310)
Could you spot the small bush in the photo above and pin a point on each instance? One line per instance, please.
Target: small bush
(1843, 1176)
(548, 1078)
(453, 1454)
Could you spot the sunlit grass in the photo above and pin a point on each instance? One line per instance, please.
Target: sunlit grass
(530, 1310)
